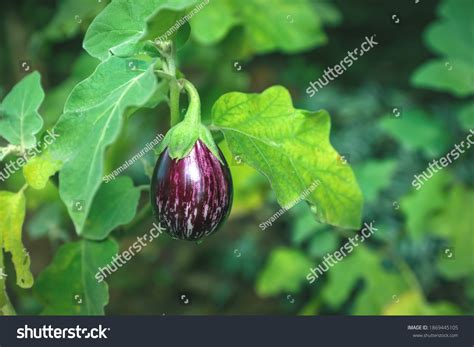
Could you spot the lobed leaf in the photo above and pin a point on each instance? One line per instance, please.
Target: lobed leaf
(291, 148)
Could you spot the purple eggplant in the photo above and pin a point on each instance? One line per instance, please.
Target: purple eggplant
(191, 197)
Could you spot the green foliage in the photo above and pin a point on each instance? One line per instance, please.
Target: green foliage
(374, 177)
(19, 117)
(415, 130)
(412, 303)
(114, 204)
(286, 26)
(455, 71)
(420, 205)
(380, 284)
(12, 215)
(68, 285)
(404, 269)
(466, 116)
(454, 225)
(91, 121)
(284, 272)
(291, 148)
(119, 29)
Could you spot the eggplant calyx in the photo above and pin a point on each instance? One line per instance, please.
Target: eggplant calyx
(181, 138)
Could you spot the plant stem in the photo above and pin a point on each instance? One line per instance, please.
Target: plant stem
(193, 114)
(174, 87)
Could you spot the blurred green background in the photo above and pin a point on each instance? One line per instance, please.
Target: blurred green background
(419, 262)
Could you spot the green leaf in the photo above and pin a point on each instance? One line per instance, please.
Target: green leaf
(466, 116)
(454, 72)
(291, 148)
(453, 76)
(411, 303)
(455, 21)
(12, 215)
(114, 204)
(19, 117)
(91, 121)
(38, 171)
(6, 307)
(419, 206)
(123, 24)
(284, 272)
(69, 17)
(415, 130)
(379, 284)
(68, 285)
(250, 188)
(455, 223)
(287, 26)
(375, 176)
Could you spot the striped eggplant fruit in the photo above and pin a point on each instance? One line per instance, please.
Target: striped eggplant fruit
(191, 197)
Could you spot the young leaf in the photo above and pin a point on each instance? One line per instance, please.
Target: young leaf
(291, 147)
(91, 121)
(19, 117)
(122, 24)
(114, 204)
(12, 215)
(68, 285)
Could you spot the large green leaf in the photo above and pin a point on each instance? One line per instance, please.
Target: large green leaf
(284, 272)
(19, 117)
(91, 121)
(114, 204)
(68, 285)
(289, 26)
(123, 24)
(291, 148)
(12, 215)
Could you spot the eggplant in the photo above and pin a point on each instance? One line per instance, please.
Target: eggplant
(191, 197)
